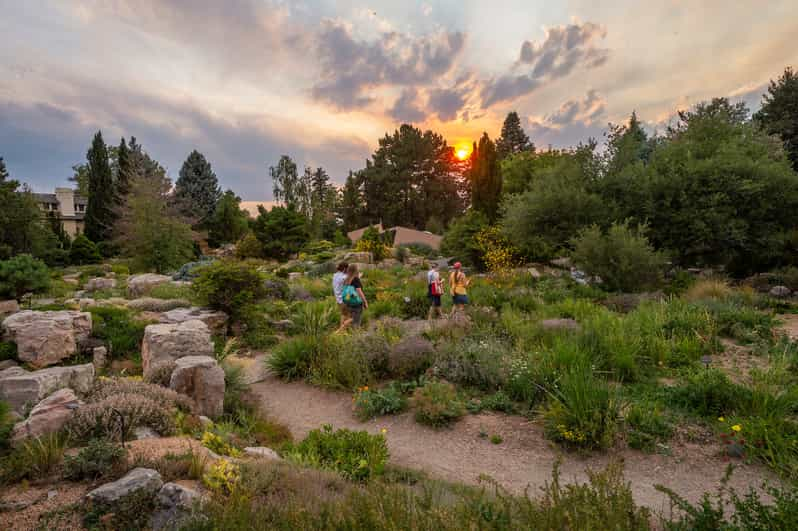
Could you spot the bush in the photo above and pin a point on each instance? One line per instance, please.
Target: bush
(356, 455)
(22, 274)
(472, 362)
(110, 387)
(102, 419)
(249, 247)
(437, 404)
(375, 243)
(708, 289)
(99, 458)
(8, 350)
(36, 459)
(707, 393)
(459, 240)
(223, 477)
(118, 330)
(83, 251)
(623, 258)
(341, 363)
(410, 357)
(6, 425)
(280, 231)
(646, 426)
(583, 411)
(229, 286)
(291, 359)
(370, 403)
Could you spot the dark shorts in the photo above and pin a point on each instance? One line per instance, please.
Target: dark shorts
(460, 299)
(435, 300)
(356, 312)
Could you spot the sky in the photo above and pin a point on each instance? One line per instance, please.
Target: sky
(245, 81)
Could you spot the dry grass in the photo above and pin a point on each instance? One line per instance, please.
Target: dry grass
(708, 289)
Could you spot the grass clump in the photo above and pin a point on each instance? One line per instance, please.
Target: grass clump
(437, 404)
(646, 426)
(35, 459)
(370, 403)
(117, 328)
(99, 458)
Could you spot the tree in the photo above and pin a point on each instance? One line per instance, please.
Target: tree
(21, 226)
(519, 170)
(486, 181)
(513, 138)
(151, 232)
(197, 189)
(124, 172)
(779, 112)
(323, 203)
(228, 222)
(80, 176)
(100, 213)
(459, 241)
(289, 189)
(83, 251)
(352, 205)
(281, 231)
(22, 274)
(3, 171)
(627, 145)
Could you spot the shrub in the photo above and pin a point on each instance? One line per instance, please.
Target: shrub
(22, 274)
(83, 251)
(118, 330)
(291, 359)
(116, 416)
(99, 458)
(8, 350)
(370, 403)
(473, 362)
(583, 411)
(707, 393)
(218, 445)
(437, 404)
(280, 231)
(708, 289)
(6, 424)
(341, 363)
(249, 247)
(229, 286)
(410, 357)
(623, 258)
(356, 455)
(460, 238)
(373, 242)
(223, 477)
(646, 426)
(110, 387)
(35, 459)
(314, 319)
(415, 304)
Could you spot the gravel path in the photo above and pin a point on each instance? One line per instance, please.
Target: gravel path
(524, 458)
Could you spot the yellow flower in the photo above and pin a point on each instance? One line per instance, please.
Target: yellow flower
(737, 427)
(383, 431)
(721, 419)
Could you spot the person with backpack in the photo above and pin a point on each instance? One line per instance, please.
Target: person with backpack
(353, 297)
(434, 291)
(458, 287)
(338, 281)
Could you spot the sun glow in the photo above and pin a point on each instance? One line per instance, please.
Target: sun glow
(463, 151)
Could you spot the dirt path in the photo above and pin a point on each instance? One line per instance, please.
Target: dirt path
(523, 459)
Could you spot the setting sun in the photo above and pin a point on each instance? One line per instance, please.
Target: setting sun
(463, 151)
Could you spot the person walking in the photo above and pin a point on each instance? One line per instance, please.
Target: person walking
(338, 281)
(458, 287)
(353, 297)
(434, 291)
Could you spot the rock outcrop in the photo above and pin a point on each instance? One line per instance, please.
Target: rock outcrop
(216, 321)
(46, 338)
(99, 283)
(150, 304)
(137, 481)
(165, 343)
(8, 308)
(202, 379)
(49, 416)
(358, 257)
(173, 505)
(21, 388)
(139, 285)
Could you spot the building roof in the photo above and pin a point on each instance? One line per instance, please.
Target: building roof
(52, 198)
(403, 236)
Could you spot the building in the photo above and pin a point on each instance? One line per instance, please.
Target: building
(402, 236)
(69, 207)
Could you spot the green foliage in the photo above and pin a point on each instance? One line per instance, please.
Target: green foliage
(646, 426)
(6, 425)
(291, 359)
(460, 238)
(229, 286)
(436, 404)
(281, 231)
(131, 513)
(370, 403)
(373, 242)
(485, 177)
(249, 246)
(356, 455)
(99, 458)
(707, 393)
(83, 251)
(100, 214)
(21, 226)
(37, 458)
(622, 257)
(118, 330)
(229, 223)
(197, 189)
(342, 363)
(22, 274)
(777, 116)
(473, 362)
(513, 139)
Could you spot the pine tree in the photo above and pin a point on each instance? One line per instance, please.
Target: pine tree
(124, 172)
(228, 223)
(197, 189)
(100, 215)
(513, 138)
(351, 206)
(486, 182)
(779, 112)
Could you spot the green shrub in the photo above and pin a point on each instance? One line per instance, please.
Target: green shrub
(437, 404)
(229, 286)
(410, 357)
(118, 330)
(498, 401)
(356, 455)
(83, 251)
(8, 350)
(773, 441)
(291, 359)
(583, 411)
(370, 403)
(473, 362)
(280, 231)
(708, 393)
(341, 363)
(22, 274)
(170, 290)
(99, 458)
(249, 247)
(646, 426)
(130, 513)
(739, 321)
(6, 425)
(314, 319)
(36, 458)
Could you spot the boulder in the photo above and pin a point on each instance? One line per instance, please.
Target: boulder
(190, 271)
(139, 285)
(138, 480)
(390, 263)
(173, 505)
(364, 266)
(295, 275)
(165, 343)
(99, 283)
(149, 304)
(145, 432)
(7, 364)
(49, 416)
(554, 325)
(201, 378)
(780, 292)
(262, 452)
(415, 261)
(99, 357)
(563, 262)
(215, 320)
(358, 257)
(46, 338)
(282, 325)
(21, 388)
(7, 308)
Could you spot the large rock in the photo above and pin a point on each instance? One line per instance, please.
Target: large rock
(7, 308)
(554, 325)
(363, 266)
(262, 452)
(361, 257)
(99, 283)
(21, 388)
(139, 285)
(150, 304)
(215, 320)
(165, 343)
(138, 480)
(390, 263)
(49, 416)
(99, 357)
(780, 292)
(201, 378)
(46, 338)
(173, 505)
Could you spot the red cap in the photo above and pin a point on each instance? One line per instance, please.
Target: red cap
(458, 265)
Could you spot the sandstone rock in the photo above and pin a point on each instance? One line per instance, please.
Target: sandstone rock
(201, 378)
(780, 292)
(173, 505)
(71, 278)
(361, 257)
(559, 324)
(7, 308)
(415, 261)
(80, 294)
(149, 304)
(45, 338)
(165, 343)
(86, 303)
(139, 285)
(145, 432)
(138, 480)
(99, 357)
(363, 266)
(562, 262)
(49, 416)
(262, 452)
(7, 364)
(534, 273)
(205, 421)
(215, 320)
(99, 283)
(390, 263)
(21, 388)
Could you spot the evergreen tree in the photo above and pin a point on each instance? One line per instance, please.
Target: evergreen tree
(80, 176)
(3, 171)
(323, 200)
(124, 172)
(197, 189)
(99, 220)
(281, 231)
(779, 112)
(352, 206)
(228, 222)
(21, 227)
(486, 181)
(513, 138)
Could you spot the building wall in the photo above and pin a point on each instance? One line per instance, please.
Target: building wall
(72, 227)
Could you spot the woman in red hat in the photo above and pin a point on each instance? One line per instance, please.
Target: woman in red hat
(458, 287)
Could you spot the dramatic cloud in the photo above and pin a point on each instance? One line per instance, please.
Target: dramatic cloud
(406, 108)
(350, 68)
(564, 49)
(573, 119)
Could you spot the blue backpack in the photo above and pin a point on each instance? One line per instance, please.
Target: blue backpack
(351, 296)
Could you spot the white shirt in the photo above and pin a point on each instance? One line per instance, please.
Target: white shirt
(432, 276)
(338, 281)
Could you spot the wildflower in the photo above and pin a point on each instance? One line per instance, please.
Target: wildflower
(737, 427)
(721, 419)
(383, 431)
